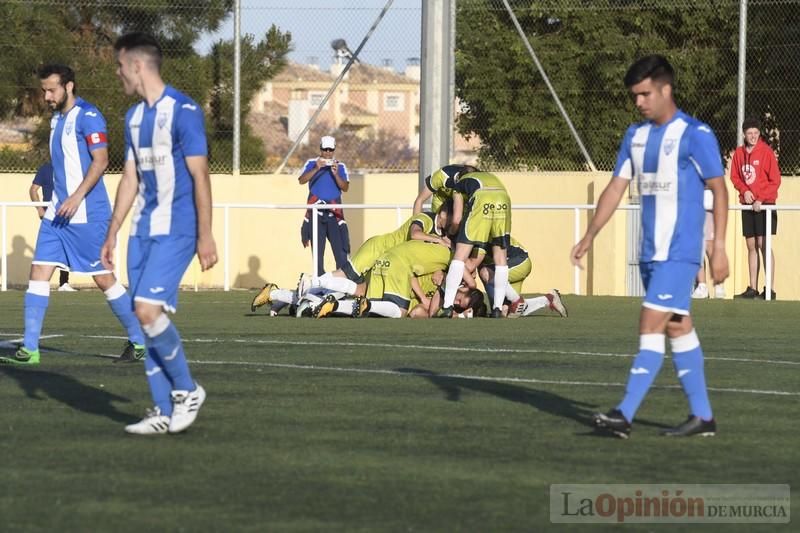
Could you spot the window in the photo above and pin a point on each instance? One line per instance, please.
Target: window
(393, 102)
(315, 98)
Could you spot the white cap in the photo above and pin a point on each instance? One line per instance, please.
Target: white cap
(327, 142)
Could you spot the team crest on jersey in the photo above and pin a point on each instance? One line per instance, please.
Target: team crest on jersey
(669, 145)
(68, 128)
(161, 120)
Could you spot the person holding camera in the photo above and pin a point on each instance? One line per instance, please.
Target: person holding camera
(327, 179)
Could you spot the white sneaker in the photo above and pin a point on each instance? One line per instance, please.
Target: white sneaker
(154, 423)
(67, 288)
(185, 406)
(701, 291)
(556, 304)
(719, 291)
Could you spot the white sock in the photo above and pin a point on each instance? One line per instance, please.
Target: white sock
(534, 304)
(386, 309)
(455, 273)
(115, 291)
(500, 280)
(511, 295)
(345, 307)
(334, 283)
(282, 295)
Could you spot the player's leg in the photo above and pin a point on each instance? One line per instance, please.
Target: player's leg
(749, 233)
(687, 359)
(121, 305)
(157, 291)
(455, 274)
(48, 254)
(668, 288)
(397, 292)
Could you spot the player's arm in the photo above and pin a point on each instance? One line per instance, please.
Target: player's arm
(126, 194)
(417, 233)
(33, 192)
(606, 205)
(93, 175)
(418, 292)
(458, 213)
(719, 257)
(340, 177)
(422, 197)
(206, 247)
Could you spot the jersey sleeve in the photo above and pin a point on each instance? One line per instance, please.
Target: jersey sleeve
(705, 154)
(624, 165)
(424, 220)
(44, 176)
(190, 130)
(93, 129)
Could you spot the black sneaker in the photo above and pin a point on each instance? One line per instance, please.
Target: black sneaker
(613, 422)
(694, 425)
(748, 294)
(132, 353)
(763, 294)
(496, 313)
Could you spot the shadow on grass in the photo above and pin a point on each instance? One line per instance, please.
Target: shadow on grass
(546, 402)
(37, 383)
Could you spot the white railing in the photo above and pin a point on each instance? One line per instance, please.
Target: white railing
(399, 208)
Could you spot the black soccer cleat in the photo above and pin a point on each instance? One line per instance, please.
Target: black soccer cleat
(496, 313)
(694, 425)
(132, 353)
(613, 422)
(445, 312)
(361, 306)
(326, 307)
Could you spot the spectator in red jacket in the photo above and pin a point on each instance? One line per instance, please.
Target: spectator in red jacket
(755, 174)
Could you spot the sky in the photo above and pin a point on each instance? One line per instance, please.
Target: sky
(315, 23)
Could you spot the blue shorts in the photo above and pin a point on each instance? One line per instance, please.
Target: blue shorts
(73, 247)
(669, 285)
(156, 266)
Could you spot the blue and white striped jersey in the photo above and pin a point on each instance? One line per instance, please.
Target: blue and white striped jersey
(158, 139)
(670, 163)
(73, 136)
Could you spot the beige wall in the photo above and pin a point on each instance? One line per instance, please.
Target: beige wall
(265, 244)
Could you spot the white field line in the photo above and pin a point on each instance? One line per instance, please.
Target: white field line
(432, 347)
(452, 376)
(15, 340)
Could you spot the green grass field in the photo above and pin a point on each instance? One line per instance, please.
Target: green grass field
(373, 425)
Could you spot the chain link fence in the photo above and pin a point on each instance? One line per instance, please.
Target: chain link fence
(291, 55)
(585, 48)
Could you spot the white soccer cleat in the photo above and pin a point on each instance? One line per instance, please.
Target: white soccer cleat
(67, 288)
(154, 423)
(719, 291)
(701, 291)
(556, 304)
(185, 406)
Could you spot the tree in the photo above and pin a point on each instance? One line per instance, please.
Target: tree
(585, 48)
(260, 62)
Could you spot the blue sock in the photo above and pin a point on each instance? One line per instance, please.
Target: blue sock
(120, 302)
(37, 299)
(687, 357)
(162, 337)
(160, 387)
(643, 372)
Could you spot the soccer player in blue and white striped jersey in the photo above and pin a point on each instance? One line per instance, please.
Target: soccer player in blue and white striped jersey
(672, 156)
(74, 225)
(166, 174)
